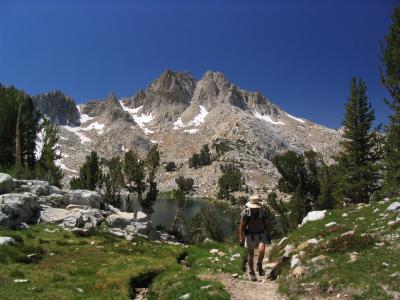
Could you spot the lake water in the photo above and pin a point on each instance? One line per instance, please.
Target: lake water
(165, 210)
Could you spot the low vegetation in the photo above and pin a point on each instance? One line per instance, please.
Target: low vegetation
(357, 250)
(58, 264)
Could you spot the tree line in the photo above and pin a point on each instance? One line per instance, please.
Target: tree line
(20, 124)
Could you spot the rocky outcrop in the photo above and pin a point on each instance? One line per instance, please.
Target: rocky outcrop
(73, 216)
(60, 109)
(6, 183)
(18, 208)
(84, 197)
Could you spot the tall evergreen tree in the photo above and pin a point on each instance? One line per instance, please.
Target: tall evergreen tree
(134, 170)
(90, 175)
(50, 154)
(16, 105)
(152, 164)
(326, 199)
(390, 77)
(358, 161)
(113, 180)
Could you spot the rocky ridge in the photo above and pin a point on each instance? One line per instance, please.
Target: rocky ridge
(182, 114)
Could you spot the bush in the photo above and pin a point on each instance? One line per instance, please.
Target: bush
(170, 167)
(230, 181)
(202, 159)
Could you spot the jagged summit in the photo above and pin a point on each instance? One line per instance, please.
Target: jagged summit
(181, 114)
(59, 108)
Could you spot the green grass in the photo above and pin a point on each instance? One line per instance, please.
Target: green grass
(98, 265)
(366, 278)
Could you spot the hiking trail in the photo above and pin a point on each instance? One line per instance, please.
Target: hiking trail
(240, 289)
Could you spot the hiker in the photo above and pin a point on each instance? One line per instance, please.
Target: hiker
(253, 234)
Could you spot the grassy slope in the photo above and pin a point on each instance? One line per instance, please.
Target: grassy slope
(103, 266)
(366, 278)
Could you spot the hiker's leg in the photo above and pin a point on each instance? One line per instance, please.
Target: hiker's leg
(261, 252)
(250, 259)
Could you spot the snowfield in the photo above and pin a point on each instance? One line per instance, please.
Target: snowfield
(197, 120)
(267, 119)
(295, 118)
(141, 120)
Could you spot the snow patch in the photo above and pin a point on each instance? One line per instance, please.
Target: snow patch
(83, 117)
(267, 119)
(197, 120)
(314, 216)
(295, 118)
(96, 126)
(84, 139)
(141, 120)
(191, 131)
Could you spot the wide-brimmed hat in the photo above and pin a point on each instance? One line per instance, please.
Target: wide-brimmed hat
(254, 202)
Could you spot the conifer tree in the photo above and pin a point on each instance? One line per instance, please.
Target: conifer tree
(113, 180)
(152, 164)
(50, 154)
(390, 77)
(134, 171)
(326, 200)
(90, 175)
(358, 161)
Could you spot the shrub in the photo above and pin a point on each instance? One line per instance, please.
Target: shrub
(170, 167)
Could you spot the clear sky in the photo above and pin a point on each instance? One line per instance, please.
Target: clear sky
(300, 54)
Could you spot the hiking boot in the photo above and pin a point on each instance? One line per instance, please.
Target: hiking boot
(253, 276)
(244, 264)
(260, 269)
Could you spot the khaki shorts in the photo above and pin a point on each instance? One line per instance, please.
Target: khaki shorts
(251, 241)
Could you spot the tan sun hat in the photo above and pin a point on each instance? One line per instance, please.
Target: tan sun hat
(254, 202)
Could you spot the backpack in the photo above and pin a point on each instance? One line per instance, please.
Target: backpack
(254, 220)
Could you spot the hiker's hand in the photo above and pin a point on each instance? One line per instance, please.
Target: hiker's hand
(241, 243)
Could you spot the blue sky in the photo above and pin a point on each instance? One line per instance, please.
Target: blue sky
(300, 54)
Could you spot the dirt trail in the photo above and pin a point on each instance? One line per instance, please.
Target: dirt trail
(244, 289)
(240, 289)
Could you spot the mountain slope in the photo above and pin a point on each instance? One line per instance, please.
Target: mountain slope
(181, 115)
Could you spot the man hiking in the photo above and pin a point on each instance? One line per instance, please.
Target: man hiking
(253, 234)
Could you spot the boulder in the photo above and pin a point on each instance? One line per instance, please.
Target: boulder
(18, 208)
(72, 217)
(165, 237)
(298, 271)
(139, 228)
(320, 259)
(295, 261)
(394, 206)
(84, 197)
(314, 216)
(6, 240)
(37, 187)
(288, 251)
(6, 183)
(308, 243)
(54, 200)
(123, 219)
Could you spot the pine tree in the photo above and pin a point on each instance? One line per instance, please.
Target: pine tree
(326, 200)
(134, 171)
(113, 180)
(90, 175)
(358, 161)
(298, 205)
(152, 164)
(50, 154)
(390, 77)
